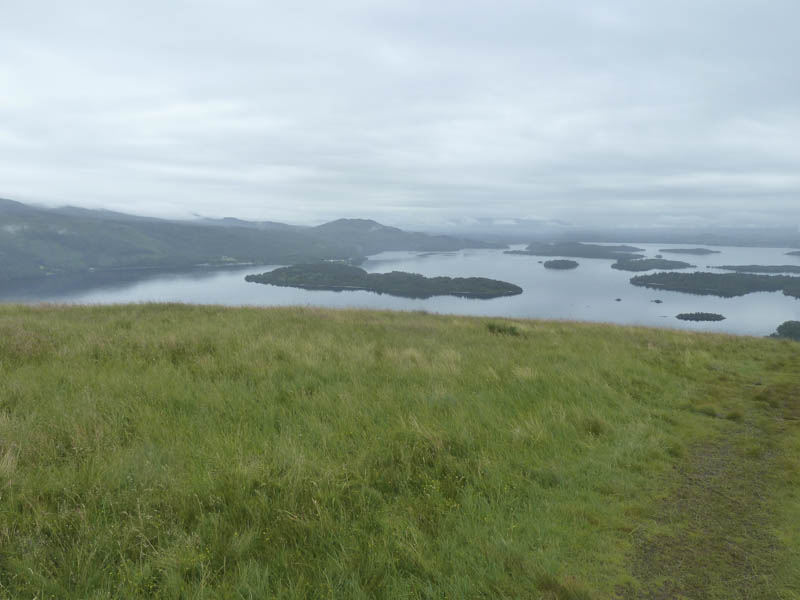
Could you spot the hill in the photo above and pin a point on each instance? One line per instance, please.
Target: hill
(37, 242)
(165, 451)
(234, 222)
(371, 237)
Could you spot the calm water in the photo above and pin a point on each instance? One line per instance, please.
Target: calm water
(587, 293)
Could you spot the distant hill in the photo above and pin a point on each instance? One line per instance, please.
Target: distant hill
(517, 231)
(101, 214)
(11, 207)
(371, 237)
(263, 225)
(765, 237)
(37, 242)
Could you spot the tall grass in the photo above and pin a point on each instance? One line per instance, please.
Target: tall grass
(196, 452)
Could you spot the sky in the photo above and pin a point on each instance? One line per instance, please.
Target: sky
(424, 113)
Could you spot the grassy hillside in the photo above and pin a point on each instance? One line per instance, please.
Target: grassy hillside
(202, 452)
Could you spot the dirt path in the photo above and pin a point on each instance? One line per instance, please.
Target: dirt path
(716, 541)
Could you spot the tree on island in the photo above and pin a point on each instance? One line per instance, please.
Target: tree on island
(789, 330)
(562, 264)
(700, 316)
(695, 251)
(579, 250)
(649, 264)
(759, 268)
(341, 277)
(726, 285)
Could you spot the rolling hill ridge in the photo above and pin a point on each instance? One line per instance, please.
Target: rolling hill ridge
(38, 242)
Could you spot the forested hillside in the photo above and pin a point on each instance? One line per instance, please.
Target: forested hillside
(37, 242)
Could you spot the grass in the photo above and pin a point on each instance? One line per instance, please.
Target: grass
(200, 452)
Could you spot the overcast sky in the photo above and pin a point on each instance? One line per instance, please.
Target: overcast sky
(592, 112)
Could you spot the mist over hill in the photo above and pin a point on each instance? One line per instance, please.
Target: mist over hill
(38, 242)
(523, 231)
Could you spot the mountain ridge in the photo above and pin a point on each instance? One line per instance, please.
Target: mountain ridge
(39, 242)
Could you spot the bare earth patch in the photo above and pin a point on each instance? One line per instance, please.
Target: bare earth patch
(716, 539)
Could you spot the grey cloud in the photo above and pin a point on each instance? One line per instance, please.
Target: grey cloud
(407, 111)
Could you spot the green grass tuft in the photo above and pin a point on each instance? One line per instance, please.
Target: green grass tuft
(503, 329)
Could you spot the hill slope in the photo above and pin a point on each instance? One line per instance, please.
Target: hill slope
(371, 237)
(36, 242)
(177, 451)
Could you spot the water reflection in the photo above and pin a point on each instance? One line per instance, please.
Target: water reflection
(588, 293)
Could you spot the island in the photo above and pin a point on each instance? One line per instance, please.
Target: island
(695, 251)
(726, 285)
(759, 268)
(788, 330)
(341, 277)
(578, 250)
(700, 316)
(649, 264)
(793, 253)
(560, 264)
